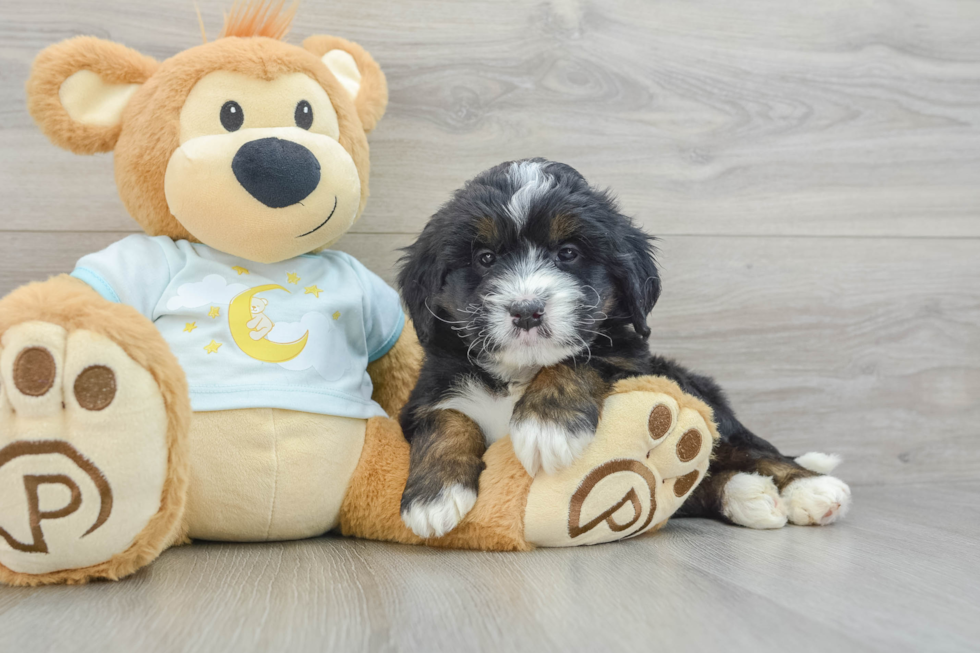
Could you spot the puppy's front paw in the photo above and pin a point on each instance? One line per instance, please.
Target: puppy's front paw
(437, 515)
(546, 445)
(817, 500)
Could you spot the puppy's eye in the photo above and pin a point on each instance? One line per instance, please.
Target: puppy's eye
(486, 258)
(232, 115)
(303, 115)
(567, 254)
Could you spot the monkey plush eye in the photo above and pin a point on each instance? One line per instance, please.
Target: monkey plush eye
(567, 254)
(232, 115)
(304, 115)
(486, 258)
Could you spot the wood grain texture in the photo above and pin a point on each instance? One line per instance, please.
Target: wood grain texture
(901, 574)
(713, 117)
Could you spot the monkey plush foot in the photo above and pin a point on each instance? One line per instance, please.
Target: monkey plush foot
(650, 451)
(89, 450)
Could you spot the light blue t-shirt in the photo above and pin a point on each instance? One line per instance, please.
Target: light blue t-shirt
(296, 335)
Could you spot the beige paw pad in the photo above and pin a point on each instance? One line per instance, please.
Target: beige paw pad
(648, 455)
(83, 449)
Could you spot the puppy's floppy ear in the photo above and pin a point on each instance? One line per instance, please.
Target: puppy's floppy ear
(357, 72)
(636, 274)
(79, 88)
(420, 280)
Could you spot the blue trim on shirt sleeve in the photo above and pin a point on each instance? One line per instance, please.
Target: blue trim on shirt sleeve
(98, 284)
(390, 342)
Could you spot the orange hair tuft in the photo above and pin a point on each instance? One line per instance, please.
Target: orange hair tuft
(259, 18)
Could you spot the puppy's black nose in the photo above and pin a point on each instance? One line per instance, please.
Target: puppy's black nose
(527, 315)
(276, 172)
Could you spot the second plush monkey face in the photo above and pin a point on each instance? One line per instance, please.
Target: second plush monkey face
(247, 144)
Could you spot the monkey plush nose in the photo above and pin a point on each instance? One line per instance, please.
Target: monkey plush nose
(276, 172)
(527, 315)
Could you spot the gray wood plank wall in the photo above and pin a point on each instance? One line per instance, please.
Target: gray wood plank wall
(812, 168)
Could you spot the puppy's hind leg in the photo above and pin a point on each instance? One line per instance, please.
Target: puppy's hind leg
(819, 499)
(751, 484)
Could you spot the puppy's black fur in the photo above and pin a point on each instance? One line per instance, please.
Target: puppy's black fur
(529, 289)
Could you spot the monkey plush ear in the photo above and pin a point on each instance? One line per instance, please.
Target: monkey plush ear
(78, 89)
(357, 72)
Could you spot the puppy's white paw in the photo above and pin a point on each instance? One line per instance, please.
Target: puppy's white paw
(439, 516)
(817, 500)
(547, 446)
(752, 500)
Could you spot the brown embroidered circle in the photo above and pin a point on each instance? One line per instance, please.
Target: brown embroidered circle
(659, 422)
(34, 371)
(683, 484)
(31, 483)
(95, 387)
(576, 528)
(689, 445)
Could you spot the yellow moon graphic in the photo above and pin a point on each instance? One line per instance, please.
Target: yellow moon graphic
(240, 312)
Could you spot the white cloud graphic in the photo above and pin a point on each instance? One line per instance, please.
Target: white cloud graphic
(326, 349)
(213, 289)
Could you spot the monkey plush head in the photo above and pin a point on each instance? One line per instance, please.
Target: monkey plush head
(247, 144)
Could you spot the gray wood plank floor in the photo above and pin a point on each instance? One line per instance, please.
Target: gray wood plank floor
(900, 575)
(813, 171)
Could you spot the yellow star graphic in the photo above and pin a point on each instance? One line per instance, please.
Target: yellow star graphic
(214, 312)
(240, 270)
(312, 290)
(336, 315)
(190, 326)
(213, 347)
(292, 277)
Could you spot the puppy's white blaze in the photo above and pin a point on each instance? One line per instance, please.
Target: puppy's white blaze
(491, 412)
(438, 517)
(546, 446)
(752, 500)
(820, 463)
(532, 182)
(817, 500)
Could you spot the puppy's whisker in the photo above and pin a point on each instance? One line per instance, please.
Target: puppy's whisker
(599, 333)
(587, 348)
(426, 302)
(598, 297)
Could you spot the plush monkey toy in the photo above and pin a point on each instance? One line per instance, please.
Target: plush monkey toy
(225, 375)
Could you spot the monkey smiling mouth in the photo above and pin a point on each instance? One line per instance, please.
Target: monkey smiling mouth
(325, 221)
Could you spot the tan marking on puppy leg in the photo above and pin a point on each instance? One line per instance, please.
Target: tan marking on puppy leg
(782, 472)
(555, 419)
(560, 393)
(444, 471)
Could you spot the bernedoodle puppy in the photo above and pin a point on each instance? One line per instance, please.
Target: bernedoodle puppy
(530, 293)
